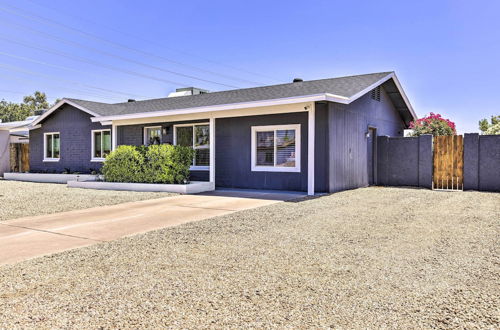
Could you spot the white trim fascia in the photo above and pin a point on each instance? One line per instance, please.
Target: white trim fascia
(113, 137)
(34, 127)
(274, 128)
(92, 146)
(369, 88)
(50, 159)
(57, 106)
(223, 107)
(405, 98)
(392, 76)
(144, 133)
(211, 168)
(311, 137)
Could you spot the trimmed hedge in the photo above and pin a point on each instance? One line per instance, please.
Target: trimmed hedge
(152, 164)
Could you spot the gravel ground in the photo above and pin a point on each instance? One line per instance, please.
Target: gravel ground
(366, 258)
(21, 199)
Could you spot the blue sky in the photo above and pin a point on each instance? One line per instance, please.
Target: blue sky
(445, 53)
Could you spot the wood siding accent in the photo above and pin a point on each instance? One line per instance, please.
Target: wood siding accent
(347, 128)
(448, 162)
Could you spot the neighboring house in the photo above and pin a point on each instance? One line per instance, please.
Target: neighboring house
(314, 136)
(14, 138)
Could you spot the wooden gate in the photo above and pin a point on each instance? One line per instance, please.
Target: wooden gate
(448, 163)
(19, 157)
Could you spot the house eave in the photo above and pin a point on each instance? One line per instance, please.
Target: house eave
(230, 106)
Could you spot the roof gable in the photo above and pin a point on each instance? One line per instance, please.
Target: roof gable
(58, 105)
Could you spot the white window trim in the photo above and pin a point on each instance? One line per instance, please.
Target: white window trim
(274, 128)
(50, 159)
(193, 168)
(145, 134)
(92, 158)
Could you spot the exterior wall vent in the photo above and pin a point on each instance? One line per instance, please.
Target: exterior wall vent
(375, 94)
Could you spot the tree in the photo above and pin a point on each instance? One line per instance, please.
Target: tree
(433, 124)
(37, 101)
(10, 111)
(492, 128)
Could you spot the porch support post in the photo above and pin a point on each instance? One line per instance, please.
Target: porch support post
(113, 136)
(212, 149)
(311, 122)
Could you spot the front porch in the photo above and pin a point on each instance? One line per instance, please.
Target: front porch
(225, 141)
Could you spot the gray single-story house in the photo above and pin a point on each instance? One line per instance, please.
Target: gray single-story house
(314, 136)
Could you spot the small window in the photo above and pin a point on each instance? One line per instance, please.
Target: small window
(276, 148)
(196, 136)
(152, 135)
(101, 144)
(52, 147)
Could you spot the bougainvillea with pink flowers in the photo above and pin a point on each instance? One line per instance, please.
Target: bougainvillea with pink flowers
(433, 124)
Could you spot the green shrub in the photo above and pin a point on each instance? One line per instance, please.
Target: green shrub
(167, 164)
(125, 164)
(153, 164)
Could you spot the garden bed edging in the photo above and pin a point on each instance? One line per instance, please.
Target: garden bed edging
(49, 177)
(193, 187)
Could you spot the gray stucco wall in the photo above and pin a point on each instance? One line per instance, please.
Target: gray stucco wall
(4, 151)
(75, 129)
(233, 150)
(233, 154)
(347, 127)
(482, 162)
(405, 161)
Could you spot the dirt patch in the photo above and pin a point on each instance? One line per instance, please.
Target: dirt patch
(374, 257)
(22, 199)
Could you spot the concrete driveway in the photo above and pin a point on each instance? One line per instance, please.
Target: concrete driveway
(30, 237)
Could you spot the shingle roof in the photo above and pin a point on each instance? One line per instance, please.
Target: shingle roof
(342, 86)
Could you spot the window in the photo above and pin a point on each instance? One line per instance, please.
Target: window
(101, 144)
(152, 135)
(51, 147)
(276, 148)
(197, 137)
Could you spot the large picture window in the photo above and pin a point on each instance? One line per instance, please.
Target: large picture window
(101, 144)
(276, 148)
(52, 147)
(197, 137)
(152, 135)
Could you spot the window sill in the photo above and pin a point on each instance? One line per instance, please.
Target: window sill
(51, 159)
(275, 169)
(199, 168)
(97, 160)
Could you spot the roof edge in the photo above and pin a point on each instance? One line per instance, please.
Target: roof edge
(229, 106)
(57, 106)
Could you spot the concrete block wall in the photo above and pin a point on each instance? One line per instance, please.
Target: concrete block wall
(481, 162)
(404, 161)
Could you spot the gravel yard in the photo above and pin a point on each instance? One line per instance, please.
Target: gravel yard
(21, 199)
(366, 258)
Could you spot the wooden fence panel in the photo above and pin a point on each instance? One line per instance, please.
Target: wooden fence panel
(25, 157)
(448, 162)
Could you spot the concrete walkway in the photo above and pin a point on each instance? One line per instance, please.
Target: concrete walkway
(30, 237)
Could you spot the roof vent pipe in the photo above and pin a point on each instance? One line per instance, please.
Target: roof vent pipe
(297, 80)
(130, 100)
